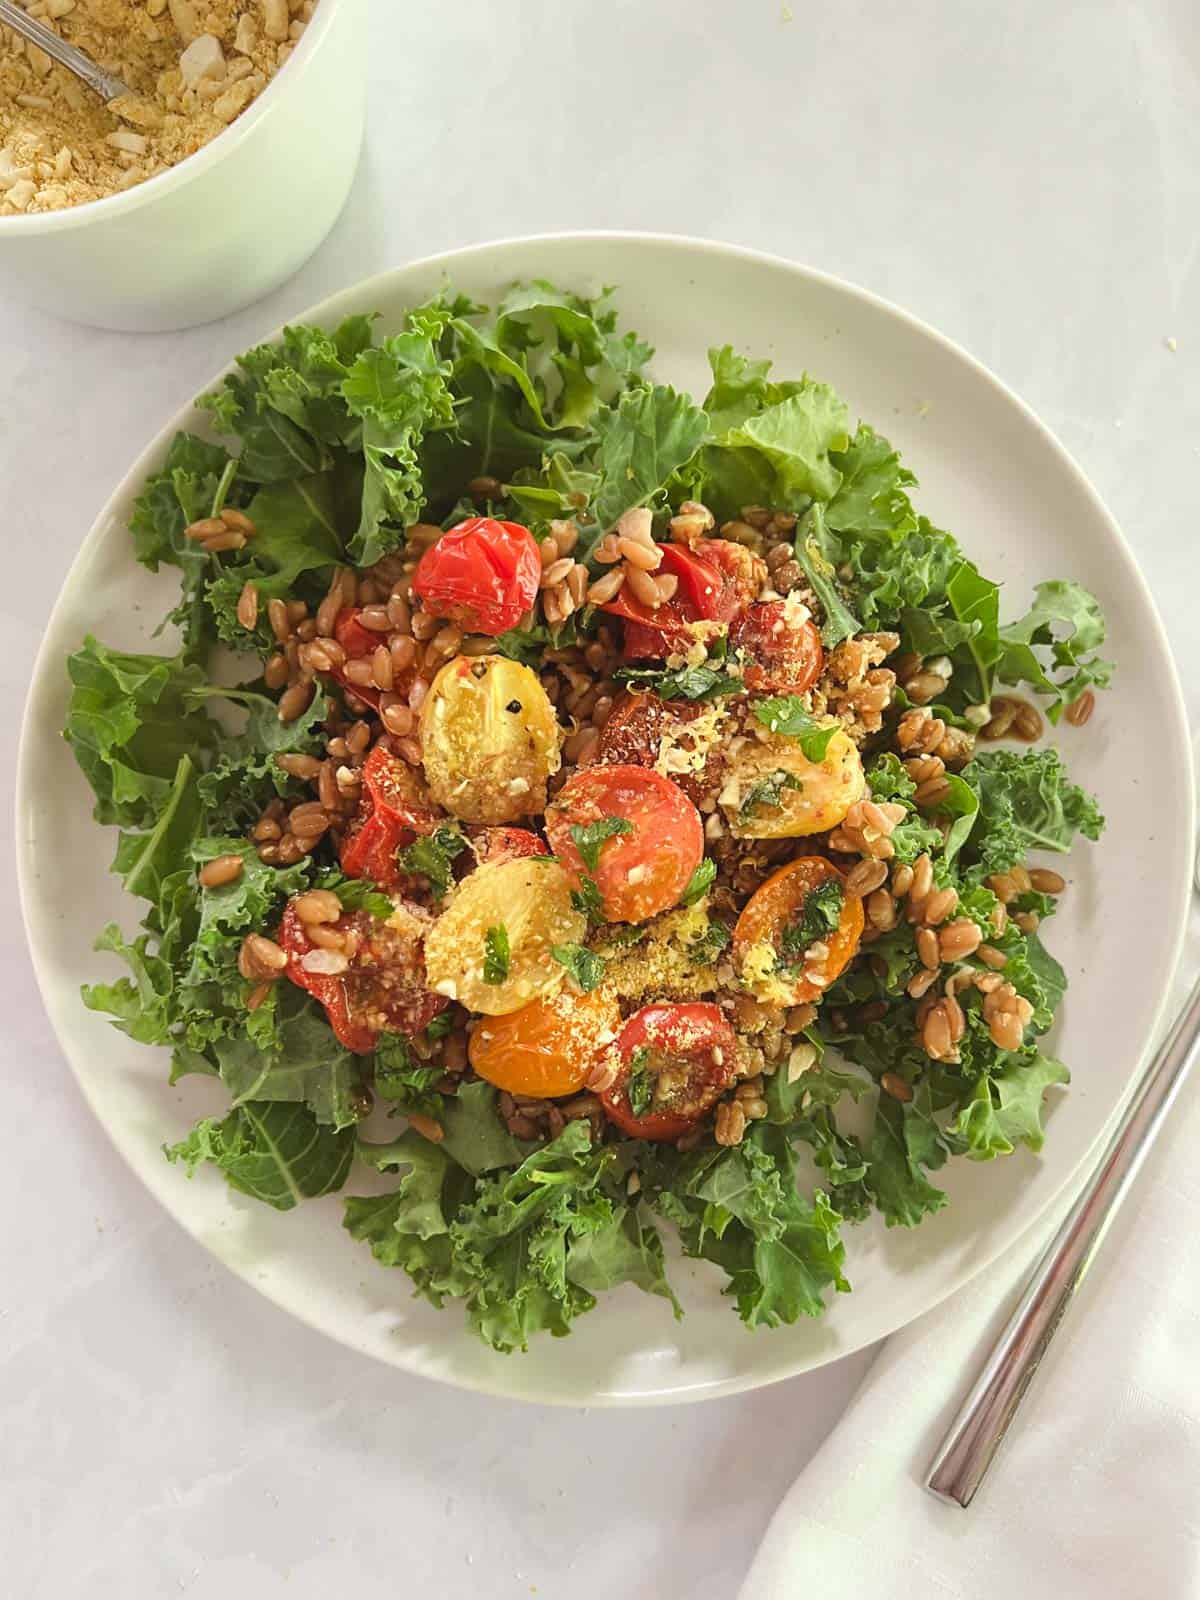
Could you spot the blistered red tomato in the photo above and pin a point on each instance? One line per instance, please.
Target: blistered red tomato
(483, 574)
(380, 987)
(783, 656)
(655, 633)
(642, 833)
(391, 813)
(634, 732)
(743, 574)
(360, 644)
(489, 845)
(673, 1063)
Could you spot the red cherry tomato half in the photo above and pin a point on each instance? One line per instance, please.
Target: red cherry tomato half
(785, 657)
(743, 574)
(483, 574)
(391, 813)
(656, 633)
(382, 989)
(490, 845)
(645, 868)
(634, 732)
(674, 1063)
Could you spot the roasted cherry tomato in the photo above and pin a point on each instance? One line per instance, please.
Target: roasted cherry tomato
(785, 947)
(490, 739)
(483, 574)
(375, 985)
(547, 1048)
(644, 860)
(698, 599)
(391, 813)
(637, 728)
(782, 645)
(492, 948)
(360, 644)
(743, 574)
(673, 1063)
(491, 845)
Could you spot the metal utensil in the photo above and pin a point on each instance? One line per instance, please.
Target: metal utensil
(105, 84)
(987, 1413)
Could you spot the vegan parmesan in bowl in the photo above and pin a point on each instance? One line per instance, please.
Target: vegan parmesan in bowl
(191, 66)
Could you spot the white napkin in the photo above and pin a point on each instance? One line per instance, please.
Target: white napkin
(1096, 1491)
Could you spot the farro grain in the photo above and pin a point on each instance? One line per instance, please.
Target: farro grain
(381, 667)
(326, 937)
(409, 750)
(730, 1123)
(294, 702)
(276, 672)
(932, 792)
(399, 613)
(958, 940)
(1080, 711)
(935, 1033)
(247, 607)
(261, 957)
(891, 1084)
(922, 878)
(360, 670)
(306, 630)
(1027, 921)
(257, 995)
(642, 586)
(991, 957)
(921, 982)
(902, 880)
(955, 1017)
(485, 488)
(1046, 881)
(317, 905)
(1027, 724)
(206, 528)
(606, 551)
(1003, 712)
(924, 687)
(277, 616)
(643, 557)
(220, 870)
(424, 626)
(224, 541)
(607, 587)
(939, 906)
(1006, 1031)
(266, 829)
(667, 583)
(375, 619)
(397, 720)
(927, 948)
(558, 568)
(865, 877)
(881, 910)
(327, 789)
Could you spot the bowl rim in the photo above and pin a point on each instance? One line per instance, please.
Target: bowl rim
(191, 167)
(1175, 715)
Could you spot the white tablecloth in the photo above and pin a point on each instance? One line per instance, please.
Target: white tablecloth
(1022, 176)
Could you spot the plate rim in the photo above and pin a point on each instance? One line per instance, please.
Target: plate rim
(48, 654)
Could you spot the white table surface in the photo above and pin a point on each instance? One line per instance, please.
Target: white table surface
(1025, 178)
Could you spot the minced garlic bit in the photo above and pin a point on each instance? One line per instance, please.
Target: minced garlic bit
(192, 67)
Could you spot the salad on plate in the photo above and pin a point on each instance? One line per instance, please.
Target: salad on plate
(574, 814)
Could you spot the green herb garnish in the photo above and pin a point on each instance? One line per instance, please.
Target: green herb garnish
(433, 855)
(707, 946)
(588, 899)
(699, 883)
(496, 955)
(787, 714)
(639, 1086)
(584, 965)
(590, 837)
(767, 791)
(821, 914)
(703, 682)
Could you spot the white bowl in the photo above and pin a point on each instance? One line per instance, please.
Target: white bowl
(990, 472)
(222, 228)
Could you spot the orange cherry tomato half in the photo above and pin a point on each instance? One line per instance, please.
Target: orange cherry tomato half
(546, 1048)
(645, 868)
(483, 574)
(785, 657)
(673, 1063)
(774, 909)
(383, 988)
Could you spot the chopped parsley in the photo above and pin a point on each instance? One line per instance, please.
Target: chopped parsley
(820, 915)
(496, 955)
(590, 837)
(699, 883)
(441, 1025)
(767, 791)
(398, 1077)
(707, 946)
(432, 856)
(639, 1086)
(587, 898)
(585, 966)
(787, 714)
(703, 682)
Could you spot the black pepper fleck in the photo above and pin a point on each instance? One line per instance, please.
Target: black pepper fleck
(514, 706)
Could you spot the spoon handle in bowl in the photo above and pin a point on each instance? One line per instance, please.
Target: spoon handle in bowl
(107, 86)
(987, 1413)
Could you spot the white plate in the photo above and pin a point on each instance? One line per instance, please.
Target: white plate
(990, 472)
